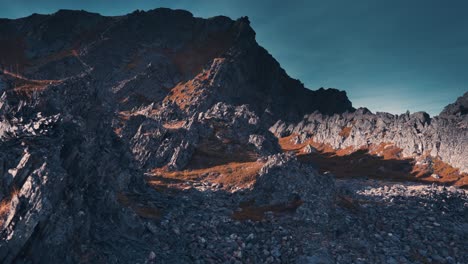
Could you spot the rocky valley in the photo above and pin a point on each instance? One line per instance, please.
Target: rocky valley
(160, 137)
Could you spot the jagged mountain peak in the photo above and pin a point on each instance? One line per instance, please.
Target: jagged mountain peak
(459, 107)
(120, 48)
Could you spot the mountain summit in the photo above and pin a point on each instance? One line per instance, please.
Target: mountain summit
(216, 59)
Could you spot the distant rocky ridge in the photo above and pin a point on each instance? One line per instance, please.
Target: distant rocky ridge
(459, 108)
(419, 136)
(119, 132)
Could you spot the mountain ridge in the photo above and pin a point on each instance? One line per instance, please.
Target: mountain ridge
(241, 31)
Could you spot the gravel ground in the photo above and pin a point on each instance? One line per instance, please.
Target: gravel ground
(401, 223)
(374, 222)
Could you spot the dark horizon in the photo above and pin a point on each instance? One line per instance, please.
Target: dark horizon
(388, 57)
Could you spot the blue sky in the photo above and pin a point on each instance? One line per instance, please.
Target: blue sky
(392, 55)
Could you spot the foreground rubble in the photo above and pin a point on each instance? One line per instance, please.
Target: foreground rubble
(372, 222)
(387, 222)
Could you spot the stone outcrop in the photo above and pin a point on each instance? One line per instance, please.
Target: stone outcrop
(444, 137)
(285, 181)
(458, 108)
(61, 171)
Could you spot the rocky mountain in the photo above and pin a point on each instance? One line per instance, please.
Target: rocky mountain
(159, 137)
(459, 108)
(147, 54)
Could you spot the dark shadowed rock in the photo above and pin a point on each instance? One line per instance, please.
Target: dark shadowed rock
(283, 180)
(460, 107)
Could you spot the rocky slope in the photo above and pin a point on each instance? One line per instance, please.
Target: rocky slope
(459, 108)
(147, 56)
(158, 137)
(91, 103)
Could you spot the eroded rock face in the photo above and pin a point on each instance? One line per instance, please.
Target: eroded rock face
(62, 169)
(243, 125)
(155, 146)
(444, 137)
(156, 143)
